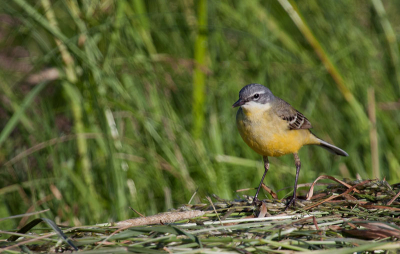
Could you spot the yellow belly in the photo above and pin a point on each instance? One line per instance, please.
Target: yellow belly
(269, 135)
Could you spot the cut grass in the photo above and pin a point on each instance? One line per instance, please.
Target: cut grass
(346, 225)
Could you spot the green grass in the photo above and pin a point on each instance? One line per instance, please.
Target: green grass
(140, 112)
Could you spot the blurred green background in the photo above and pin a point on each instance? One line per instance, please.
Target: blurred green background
(107, 104)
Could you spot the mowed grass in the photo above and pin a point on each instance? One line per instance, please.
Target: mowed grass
(107, 105)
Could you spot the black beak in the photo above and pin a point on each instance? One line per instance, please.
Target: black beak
(238, 103)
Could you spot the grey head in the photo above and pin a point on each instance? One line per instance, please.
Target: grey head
(254, 93)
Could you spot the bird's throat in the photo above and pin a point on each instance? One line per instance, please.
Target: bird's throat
(252, 108)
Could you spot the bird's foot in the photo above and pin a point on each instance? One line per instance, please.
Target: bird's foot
(292, 202)
(256, 201)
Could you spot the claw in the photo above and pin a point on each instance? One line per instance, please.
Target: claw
(256, 202)
(292, 202)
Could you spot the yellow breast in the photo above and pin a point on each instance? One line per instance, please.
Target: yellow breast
(268, 134)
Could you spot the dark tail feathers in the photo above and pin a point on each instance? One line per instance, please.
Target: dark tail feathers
(332, 148)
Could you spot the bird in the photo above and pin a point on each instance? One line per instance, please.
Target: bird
(273, 128)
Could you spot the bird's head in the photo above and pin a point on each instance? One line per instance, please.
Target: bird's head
(254, 95)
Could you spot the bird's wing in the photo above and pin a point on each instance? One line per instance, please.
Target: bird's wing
(294, 118)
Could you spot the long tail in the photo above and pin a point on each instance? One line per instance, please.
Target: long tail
(332, 148)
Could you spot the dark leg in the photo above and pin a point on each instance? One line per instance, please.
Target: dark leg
(266, 167)
(298, 165)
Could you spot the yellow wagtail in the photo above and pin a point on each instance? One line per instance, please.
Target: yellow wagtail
(272, 127)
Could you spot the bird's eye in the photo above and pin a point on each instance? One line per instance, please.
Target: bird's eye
(256, 96)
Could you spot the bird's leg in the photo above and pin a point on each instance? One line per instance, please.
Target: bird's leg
(266, 167)
(298, 165)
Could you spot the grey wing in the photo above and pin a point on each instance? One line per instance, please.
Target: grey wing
(295, 119)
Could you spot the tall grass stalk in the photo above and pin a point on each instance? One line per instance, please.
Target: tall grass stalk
(391, 39)
(373, 134)
(325, 59)
(13, 121)
(199, 75)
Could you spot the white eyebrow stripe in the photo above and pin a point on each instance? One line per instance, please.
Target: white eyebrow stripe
(262, 92)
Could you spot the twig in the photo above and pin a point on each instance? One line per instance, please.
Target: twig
(141, 215)
(24, 215)
(209, 200)
(194, 194)
(336, 196)
(156, 219)
(311, 191)
(393, 199)
(271, 192)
